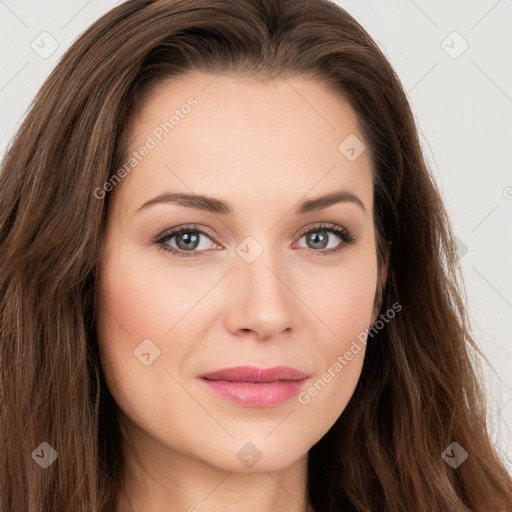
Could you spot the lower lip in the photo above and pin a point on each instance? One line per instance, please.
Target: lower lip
(265, 394)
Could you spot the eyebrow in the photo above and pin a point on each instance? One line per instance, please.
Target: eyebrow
(218, 206)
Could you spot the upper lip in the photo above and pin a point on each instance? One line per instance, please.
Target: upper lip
(255, 374)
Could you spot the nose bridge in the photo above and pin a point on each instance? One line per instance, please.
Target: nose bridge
(258, 266)
(262, 300)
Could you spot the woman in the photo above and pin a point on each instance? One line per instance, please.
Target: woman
(228, 279)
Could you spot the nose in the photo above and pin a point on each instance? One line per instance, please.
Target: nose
(261, 303)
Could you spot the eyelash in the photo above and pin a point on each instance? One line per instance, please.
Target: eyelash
(347, 239)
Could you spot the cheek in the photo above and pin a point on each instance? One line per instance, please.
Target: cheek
(141, 308)
(345, 307)
(132, 308)
(143, 299)
(343, 297)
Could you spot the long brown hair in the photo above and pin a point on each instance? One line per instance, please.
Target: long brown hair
(418, 391)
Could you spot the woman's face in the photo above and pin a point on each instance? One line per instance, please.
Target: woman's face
(254, 289)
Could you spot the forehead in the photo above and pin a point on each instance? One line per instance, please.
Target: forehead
(245, 141)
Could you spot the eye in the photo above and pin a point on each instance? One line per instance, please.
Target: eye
(318, 239)
(188, 239)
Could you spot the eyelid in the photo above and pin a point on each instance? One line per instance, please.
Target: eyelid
(185, 227)
(319, 226)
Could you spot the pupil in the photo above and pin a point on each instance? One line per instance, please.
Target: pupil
(187, 238)
(316, 239)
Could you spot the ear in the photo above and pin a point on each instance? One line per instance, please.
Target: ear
(384, 272)
(380, 288)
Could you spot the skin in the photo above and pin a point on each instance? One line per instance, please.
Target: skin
(262, 148)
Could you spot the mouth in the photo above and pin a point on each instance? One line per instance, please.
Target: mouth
(256, 387)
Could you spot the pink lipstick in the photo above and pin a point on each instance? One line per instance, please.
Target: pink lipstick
(256, 387)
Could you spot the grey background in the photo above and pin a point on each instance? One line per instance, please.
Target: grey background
(462, 101)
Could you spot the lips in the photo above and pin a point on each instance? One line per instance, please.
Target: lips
(255, 387)
(256, 375)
